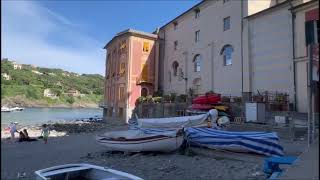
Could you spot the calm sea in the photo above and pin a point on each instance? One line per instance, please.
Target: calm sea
(32, 116)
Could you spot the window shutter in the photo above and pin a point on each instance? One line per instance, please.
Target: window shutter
(309, 32)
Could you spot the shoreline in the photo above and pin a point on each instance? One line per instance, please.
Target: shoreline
(54, 106)
(63, 128)
(60, 107)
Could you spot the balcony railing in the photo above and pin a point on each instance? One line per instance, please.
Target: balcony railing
(140, 80)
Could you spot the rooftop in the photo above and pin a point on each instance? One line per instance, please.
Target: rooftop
(132, 32)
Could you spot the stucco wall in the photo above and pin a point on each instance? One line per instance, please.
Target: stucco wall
(271, 51)
(214, 75)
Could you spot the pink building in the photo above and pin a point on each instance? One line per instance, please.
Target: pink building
(131, 72)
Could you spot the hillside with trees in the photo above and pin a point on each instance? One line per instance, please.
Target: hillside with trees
(28, 85)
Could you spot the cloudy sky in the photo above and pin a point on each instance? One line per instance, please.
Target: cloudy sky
(71, 34)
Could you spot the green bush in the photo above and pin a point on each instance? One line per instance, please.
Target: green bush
(149, 99)
(157, 99)
(70, 100)
(173, 96)
(32, 94)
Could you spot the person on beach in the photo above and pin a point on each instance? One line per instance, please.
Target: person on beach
(25, 132)
(45, 132)
(13, 129)
(22, 137)
(26, 135)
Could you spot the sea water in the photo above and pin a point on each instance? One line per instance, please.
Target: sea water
(33, 116)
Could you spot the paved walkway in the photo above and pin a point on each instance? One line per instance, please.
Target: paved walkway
(306, 166)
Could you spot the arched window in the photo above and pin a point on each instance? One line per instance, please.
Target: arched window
(197, 61)
(144, 92)
(227, 51)
(175, 66)
(196, 85)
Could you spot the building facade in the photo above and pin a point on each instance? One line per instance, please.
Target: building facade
(229, 47)
(306, 32)
(131, 68)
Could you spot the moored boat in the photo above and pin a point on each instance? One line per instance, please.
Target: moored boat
(139, 141)
(178, 122)
(17, 109)
(82, 172)
(265, 143)
(7, 109)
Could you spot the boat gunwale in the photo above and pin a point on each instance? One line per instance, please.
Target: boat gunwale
(135, 142)
(123, 139)
(40, 172)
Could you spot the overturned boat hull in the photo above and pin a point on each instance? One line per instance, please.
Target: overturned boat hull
(264, 143)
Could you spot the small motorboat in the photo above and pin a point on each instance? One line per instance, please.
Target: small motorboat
(5, 109)
(17, 109)
(140, 141)
(82, 172)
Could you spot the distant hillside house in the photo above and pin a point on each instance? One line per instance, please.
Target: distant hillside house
(50, 94)
(52, 74)
(65, 74)
(5, 76)
(36, 72)
(16, 65)
(73, 93)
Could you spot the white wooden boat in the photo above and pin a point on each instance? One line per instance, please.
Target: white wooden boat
(138, 141)
(178, 122)
(82, 172)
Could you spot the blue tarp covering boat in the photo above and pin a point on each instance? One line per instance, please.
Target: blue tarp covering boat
(256, 142)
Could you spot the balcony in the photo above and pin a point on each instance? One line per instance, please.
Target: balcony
(141, 81)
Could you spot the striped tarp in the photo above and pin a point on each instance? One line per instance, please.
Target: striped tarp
(257, 142)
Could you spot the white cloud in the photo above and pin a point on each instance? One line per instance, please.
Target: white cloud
(33, 34)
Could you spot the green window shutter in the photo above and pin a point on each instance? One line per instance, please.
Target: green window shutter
(309, 25)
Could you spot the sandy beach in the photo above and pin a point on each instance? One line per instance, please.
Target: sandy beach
(26, 157)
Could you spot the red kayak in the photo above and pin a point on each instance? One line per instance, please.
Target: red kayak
(201, 106)
(207, 99)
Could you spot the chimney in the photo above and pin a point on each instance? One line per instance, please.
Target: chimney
(156, 31)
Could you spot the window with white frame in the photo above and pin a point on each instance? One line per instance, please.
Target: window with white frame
(226, 23)
(197, 62)
(197, 36)
(197, 13)
(196, 85)
(175, 25)
(227, 51)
